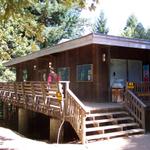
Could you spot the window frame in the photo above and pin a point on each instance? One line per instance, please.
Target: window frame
(77, 76)
(68, 72)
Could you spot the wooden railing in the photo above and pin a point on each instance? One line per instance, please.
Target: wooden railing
(136, 107)
(75, 113)
(38, 97)
(34, 95)
(142, 89)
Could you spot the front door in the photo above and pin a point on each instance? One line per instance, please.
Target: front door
(121, 71)
(118, 77)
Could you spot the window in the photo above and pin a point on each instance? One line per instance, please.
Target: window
(85, 72)
(64, 73)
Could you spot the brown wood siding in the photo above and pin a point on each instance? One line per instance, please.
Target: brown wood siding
(103, 74)
(97, 90)
(128, 53)
(72, 58)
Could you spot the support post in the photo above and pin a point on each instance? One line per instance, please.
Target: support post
(54, 128)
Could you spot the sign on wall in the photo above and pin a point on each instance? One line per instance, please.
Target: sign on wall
(130, 85)
(146, 73)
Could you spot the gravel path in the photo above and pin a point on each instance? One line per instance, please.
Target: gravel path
(10, 140)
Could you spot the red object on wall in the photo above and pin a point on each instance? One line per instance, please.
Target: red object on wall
(146, 73)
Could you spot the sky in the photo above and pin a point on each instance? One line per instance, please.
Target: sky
(118, 11)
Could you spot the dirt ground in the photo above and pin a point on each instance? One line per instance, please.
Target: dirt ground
(10, 140)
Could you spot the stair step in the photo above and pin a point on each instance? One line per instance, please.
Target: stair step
(109, 120)
(115, 134)
(110, 127)
(106, 114)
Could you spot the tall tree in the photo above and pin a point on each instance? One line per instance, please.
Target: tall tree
(140, 31)
(60, 23)
(135, 29)
(12, 7)
(129, 30)
(147, 36)
(100, 26)
(36, 26)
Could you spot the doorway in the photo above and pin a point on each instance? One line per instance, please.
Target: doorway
(121, 71)
(42, 75)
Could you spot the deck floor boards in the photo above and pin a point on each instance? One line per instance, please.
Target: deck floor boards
(100, 106)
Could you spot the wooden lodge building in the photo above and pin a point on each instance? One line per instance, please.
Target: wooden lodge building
(97, 102)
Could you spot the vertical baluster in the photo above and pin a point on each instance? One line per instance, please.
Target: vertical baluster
(83, 130)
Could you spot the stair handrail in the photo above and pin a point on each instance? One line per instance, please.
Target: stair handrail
(75, 112)
(74, 96)
(139, 101)
(136, 107)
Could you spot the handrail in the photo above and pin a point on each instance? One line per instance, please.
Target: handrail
(136, 107)
(137, 99)
(82, 106)
(141, 88)
(75, 112)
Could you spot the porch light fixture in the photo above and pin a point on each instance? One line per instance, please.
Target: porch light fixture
(50, 65)
(103, 57)
(34, 67)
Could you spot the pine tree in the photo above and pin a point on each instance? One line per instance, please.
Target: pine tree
(100, 26)
(129, 29)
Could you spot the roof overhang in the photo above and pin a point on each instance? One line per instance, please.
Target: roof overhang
(83, 41)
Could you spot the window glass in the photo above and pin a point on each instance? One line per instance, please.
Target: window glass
(85, 72)
(64, 73)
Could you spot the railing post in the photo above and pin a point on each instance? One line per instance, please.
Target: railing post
(23, 95)
(135, 106)
(65, 87)
(83, 130)
(143, 119)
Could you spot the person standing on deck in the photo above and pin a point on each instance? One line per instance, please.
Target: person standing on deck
(52, 76)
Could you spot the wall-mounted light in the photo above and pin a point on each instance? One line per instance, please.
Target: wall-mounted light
(50, 64)
(103, 57)
(34, 67)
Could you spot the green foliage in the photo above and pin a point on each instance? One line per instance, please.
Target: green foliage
(100, 26)
(140, 31)
(29, 25)
(15, 39)
(6, 74)
(135, 29)
(11, 8)
(129, 29)
(62, 23)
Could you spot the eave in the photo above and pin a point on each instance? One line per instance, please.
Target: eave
(83, 41)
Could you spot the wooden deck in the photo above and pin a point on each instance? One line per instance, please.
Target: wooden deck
(91, 106)
(85, 117)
